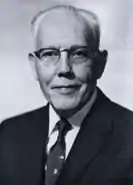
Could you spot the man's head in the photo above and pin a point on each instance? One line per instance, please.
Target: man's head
(67, 61)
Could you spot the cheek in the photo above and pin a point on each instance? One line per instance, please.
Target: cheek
(83, 72)
(45, 74)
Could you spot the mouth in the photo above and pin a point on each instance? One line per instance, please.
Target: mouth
(66, 89)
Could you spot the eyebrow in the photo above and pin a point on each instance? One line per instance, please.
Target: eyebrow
(59, 47)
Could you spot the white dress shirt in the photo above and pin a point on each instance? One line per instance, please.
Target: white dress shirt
(75, 121)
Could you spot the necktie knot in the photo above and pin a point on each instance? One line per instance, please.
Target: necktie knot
(63, 127)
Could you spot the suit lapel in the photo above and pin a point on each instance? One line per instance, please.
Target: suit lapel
(92, 138)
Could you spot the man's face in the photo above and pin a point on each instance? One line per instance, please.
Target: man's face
(66, 85)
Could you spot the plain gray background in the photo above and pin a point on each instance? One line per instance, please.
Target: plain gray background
(19, 92)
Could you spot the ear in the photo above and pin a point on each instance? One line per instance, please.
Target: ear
(100, 63)
(32, 61)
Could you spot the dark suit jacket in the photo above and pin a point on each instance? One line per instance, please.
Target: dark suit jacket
(102, 153)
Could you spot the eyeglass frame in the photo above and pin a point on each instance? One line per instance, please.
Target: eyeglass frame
(68, 50)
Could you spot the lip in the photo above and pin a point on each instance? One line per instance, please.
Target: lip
(65, 89)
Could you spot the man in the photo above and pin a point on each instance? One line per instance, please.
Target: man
(81, 137)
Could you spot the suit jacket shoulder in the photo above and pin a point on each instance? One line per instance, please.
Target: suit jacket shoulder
(22, 148)
(23, 118)
(102, 153)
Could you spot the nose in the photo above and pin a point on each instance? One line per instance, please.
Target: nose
(64, 66)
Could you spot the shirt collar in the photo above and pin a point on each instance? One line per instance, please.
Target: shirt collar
(53, 119)
(76, 119)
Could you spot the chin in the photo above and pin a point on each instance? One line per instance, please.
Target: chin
(64, 105)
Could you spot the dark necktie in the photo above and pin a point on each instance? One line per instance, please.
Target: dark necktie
(56, 156)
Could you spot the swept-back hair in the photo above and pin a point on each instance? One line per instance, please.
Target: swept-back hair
(90, 18)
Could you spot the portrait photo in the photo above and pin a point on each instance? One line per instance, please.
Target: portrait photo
(66, 111)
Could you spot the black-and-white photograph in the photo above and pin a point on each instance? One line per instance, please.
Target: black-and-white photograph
(66, 78)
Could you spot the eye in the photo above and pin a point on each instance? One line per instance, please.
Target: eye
(48, 53)
(80, 53)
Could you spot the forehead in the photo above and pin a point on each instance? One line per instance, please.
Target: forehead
(61, 28)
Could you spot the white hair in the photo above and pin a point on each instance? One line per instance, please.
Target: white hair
(89, 17)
